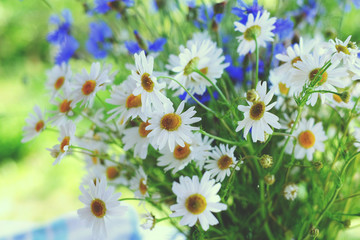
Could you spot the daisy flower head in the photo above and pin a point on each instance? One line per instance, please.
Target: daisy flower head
(35, 125)
(196, 200)
(67, 135)
(172, 127)
(200, 54)
(256, 115)
(291, 191)
(128, 105)
(221, 161)
(139, 184)
(310, 137)
(147, 86)
(259, 28)
(201, 149)
(58, 77)
(177, 159)
(150, 221)
(346, 51)
(101, 203)
(137, 139)
(114, 171)
(88, 84)
(306, 72)
(64, 108)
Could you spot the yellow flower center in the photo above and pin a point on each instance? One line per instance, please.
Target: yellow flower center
(337, 98)
(142, 131)
(283, 89)
(252, 32)
(98, 208)
(191, 66)
(170, 122)
(340, 48)
(195, 203)
(59, 82)
(204, 70)
(181, 153)
(142, 186)
(257, 110)
(313, 74)
(39, 125)
(65, 106)
(147, 83)
(306, 139)
(224, 162)
(133, 101)
(112, 172)
(64, 142)
(295, 60)
(88, 87)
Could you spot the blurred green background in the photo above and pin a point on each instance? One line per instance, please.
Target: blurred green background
(31, 189)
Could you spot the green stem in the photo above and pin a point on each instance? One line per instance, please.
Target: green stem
(197, 101)
(257, 62)
(263, 211)
(279, 162)
(221, 139)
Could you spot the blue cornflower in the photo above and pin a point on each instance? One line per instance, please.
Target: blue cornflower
(284, 28)
(98, 43)
(206, 15)
(103, 6)
(67, 50)
(139, 45)
(307, 11)
(202, 98)
(236, 72)
(244, 10)
(63, 27)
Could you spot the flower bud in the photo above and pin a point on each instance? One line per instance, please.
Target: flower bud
(345, 96)
(219, 7)
(269, 179)
(352, 45)
(314, 232)
(347, 223)
(252, 95)
(318, 165)
(266, 161)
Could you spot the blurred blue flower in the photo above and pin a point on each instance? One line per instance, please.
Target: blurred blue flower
(98, 43)
(206, 15)
(206, 97)
(244, 10)
(67, 50)
(307, 11)
(103, 6)
(191, 3)
(139, 45)
(284, 28)
(63, 27)
(235, 71)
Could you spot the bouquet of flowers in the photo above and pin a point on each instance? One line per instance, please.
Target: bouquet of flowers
(230, 122)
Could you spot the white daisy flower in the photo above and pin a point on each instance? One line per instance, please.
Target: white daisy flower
(172, 127)
(257, 117)
(288, 121)
(291, 191)
(307, 70)
(196, 200)
(67, 135)
(201, 54)
(129, 106)
(221, 161)
(114, 171)
(93, 174)
(310, 137)
(336, 101)
(137, 139)
(101, 203)
(64, 108)
(149, 221)
(177, 159)
(35, 125)
(88, 84)
(98, 148)
(340, 50)
(152, 99)
(139, 184)
(259, 28)
(201, 149)
(58, 77)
